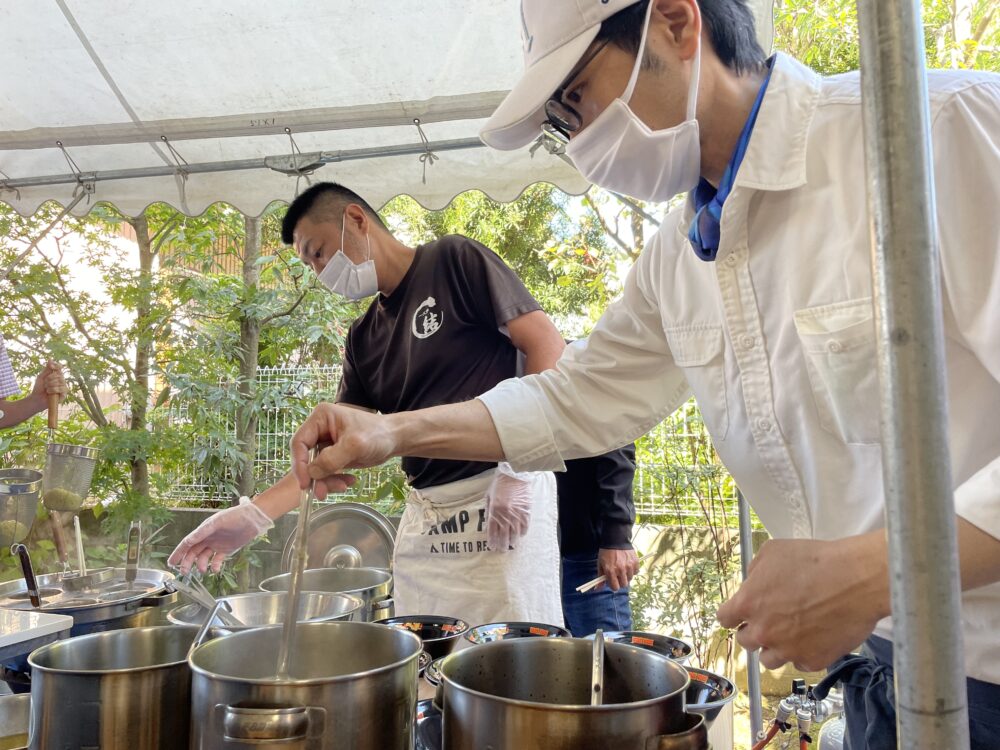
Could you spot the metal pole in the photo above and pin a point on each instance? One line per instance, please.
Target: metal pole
(269, 162)
(920, 509)
(753, 657)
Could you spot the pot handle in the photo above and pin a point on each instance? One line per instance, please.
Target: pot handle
(287, 726)
(383, 609)
(204, 630)
(158, 599)
(693, 736)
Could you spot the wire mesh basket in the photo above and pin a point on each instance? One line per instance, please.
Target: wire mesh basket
(68, 471)
(19, 490)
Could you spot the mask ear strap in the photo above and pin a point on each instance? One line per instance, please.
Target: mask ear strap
(693, 91)
(638, 58)
(368, 239)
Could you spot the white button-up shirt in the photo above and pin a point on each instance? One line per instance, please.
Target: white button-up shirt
(776, 338)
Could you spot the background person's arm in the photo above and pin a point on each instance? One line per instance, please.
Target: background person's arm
(536, 337)
(49, 381)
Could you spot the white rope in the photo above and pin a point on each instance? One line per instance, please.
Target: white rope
(300, 173)
(180, 173)
(428, 157)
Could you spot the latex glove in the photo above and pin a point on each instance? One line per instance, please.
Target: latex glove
(219, 536)
(508, 508)
(619, 565)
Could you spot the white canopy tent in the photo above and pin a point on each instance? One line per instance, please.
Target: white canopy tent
(197, 101)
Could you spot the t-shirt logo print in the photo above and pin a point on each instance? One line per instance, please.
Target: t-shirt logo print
(427, 322)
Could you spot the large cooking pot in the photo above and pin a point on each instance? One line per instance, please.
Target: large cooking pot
(535, 692)
(117, 689)
(353, 686)
(15, 711)
(102, 600)
(373, 585)
(260, 608)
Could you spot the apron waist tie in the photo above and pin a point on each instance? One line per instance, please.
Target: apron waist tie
(869, 700)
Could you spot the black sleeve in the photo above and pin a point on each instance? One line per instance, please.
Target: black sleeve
(494, 290)
(351, 390)
(615, 472)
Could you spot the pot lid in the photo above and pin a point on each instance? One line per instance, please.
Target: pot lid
(345, 535)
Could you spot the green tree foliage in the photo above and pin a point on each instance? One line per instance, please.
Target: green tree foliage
(563, 258)
(824, 33)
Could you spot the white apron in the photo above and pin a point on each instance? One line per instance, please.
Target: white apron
(441, 565)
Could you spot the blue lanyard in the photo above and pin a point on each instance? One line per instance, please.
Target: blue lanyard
(704, 232)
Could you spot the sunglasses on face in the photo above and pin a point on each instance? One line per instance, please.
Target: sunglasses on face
(561, 118)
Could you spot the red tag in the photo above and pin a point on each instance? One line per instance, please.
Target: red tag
(538, 631)
(698, 676)
(642, 641)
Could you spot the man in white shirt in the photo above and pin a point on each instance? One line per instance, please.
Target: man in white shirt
(755, 296)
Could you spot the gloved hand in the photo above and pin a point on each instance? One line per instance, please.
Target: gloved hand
(219, 536)
(508, 508)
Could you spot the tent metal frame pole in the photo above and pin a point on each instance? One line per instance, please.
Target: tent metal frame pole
(288, 163)
(753, 657)
(920, 509)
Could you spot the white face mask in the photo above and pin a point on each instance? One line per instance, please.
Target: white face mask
(352, 280)
(619, 152)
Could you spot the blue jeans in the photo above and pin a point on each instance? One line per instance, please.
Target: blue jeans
(585, 613)
(870, 701)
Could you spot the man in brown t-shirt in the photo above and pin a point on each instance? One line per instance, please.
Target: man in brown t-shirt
(449, 321)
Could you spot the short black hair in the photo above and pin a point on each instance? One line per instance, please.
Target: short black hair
(324, 200)
(731, 28)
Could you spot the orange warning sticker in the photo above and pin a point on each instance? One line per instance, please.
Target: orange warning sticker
(538, 631)
(698, 676)
(640, 641)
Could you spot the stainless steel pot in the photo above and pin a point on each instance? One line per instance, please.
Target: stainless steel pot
(260, 608)
(118, 690)
(103, 601)
(373, 585)
(535, 692)
(15, 711)
(353, 686)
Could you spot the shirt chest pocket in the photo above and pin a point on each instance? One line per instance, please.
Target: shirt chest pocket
(838, 342)
(700, 352)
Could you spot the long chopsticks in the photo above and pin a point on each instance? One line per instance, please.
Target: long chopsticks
(590, 585)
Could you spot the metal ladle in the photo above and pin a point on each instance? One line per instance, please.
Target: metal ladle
(597, 670)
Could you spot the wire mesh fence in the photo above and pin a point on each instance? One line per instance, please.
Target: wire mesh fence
(678, 473)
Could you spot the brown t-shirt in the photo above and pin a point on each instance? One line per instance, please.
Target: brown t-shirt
(436, 340)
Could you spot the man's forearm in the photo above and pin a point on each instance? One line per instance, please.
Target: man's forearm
(979, 555)
(15, 412)
(458, 431)
(979, 561)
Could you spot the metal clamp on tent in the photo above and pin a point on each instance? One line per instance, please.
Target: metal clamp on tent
(428, 157)
(296, 164)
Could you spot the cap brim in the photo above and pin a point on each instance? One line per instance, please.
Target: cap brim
(518, 119)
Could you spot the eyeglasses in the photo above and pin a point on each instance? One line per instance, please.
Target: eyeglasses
(562, 119)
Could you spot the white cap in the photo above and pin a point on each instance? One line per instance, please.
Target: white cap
(555, 34)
